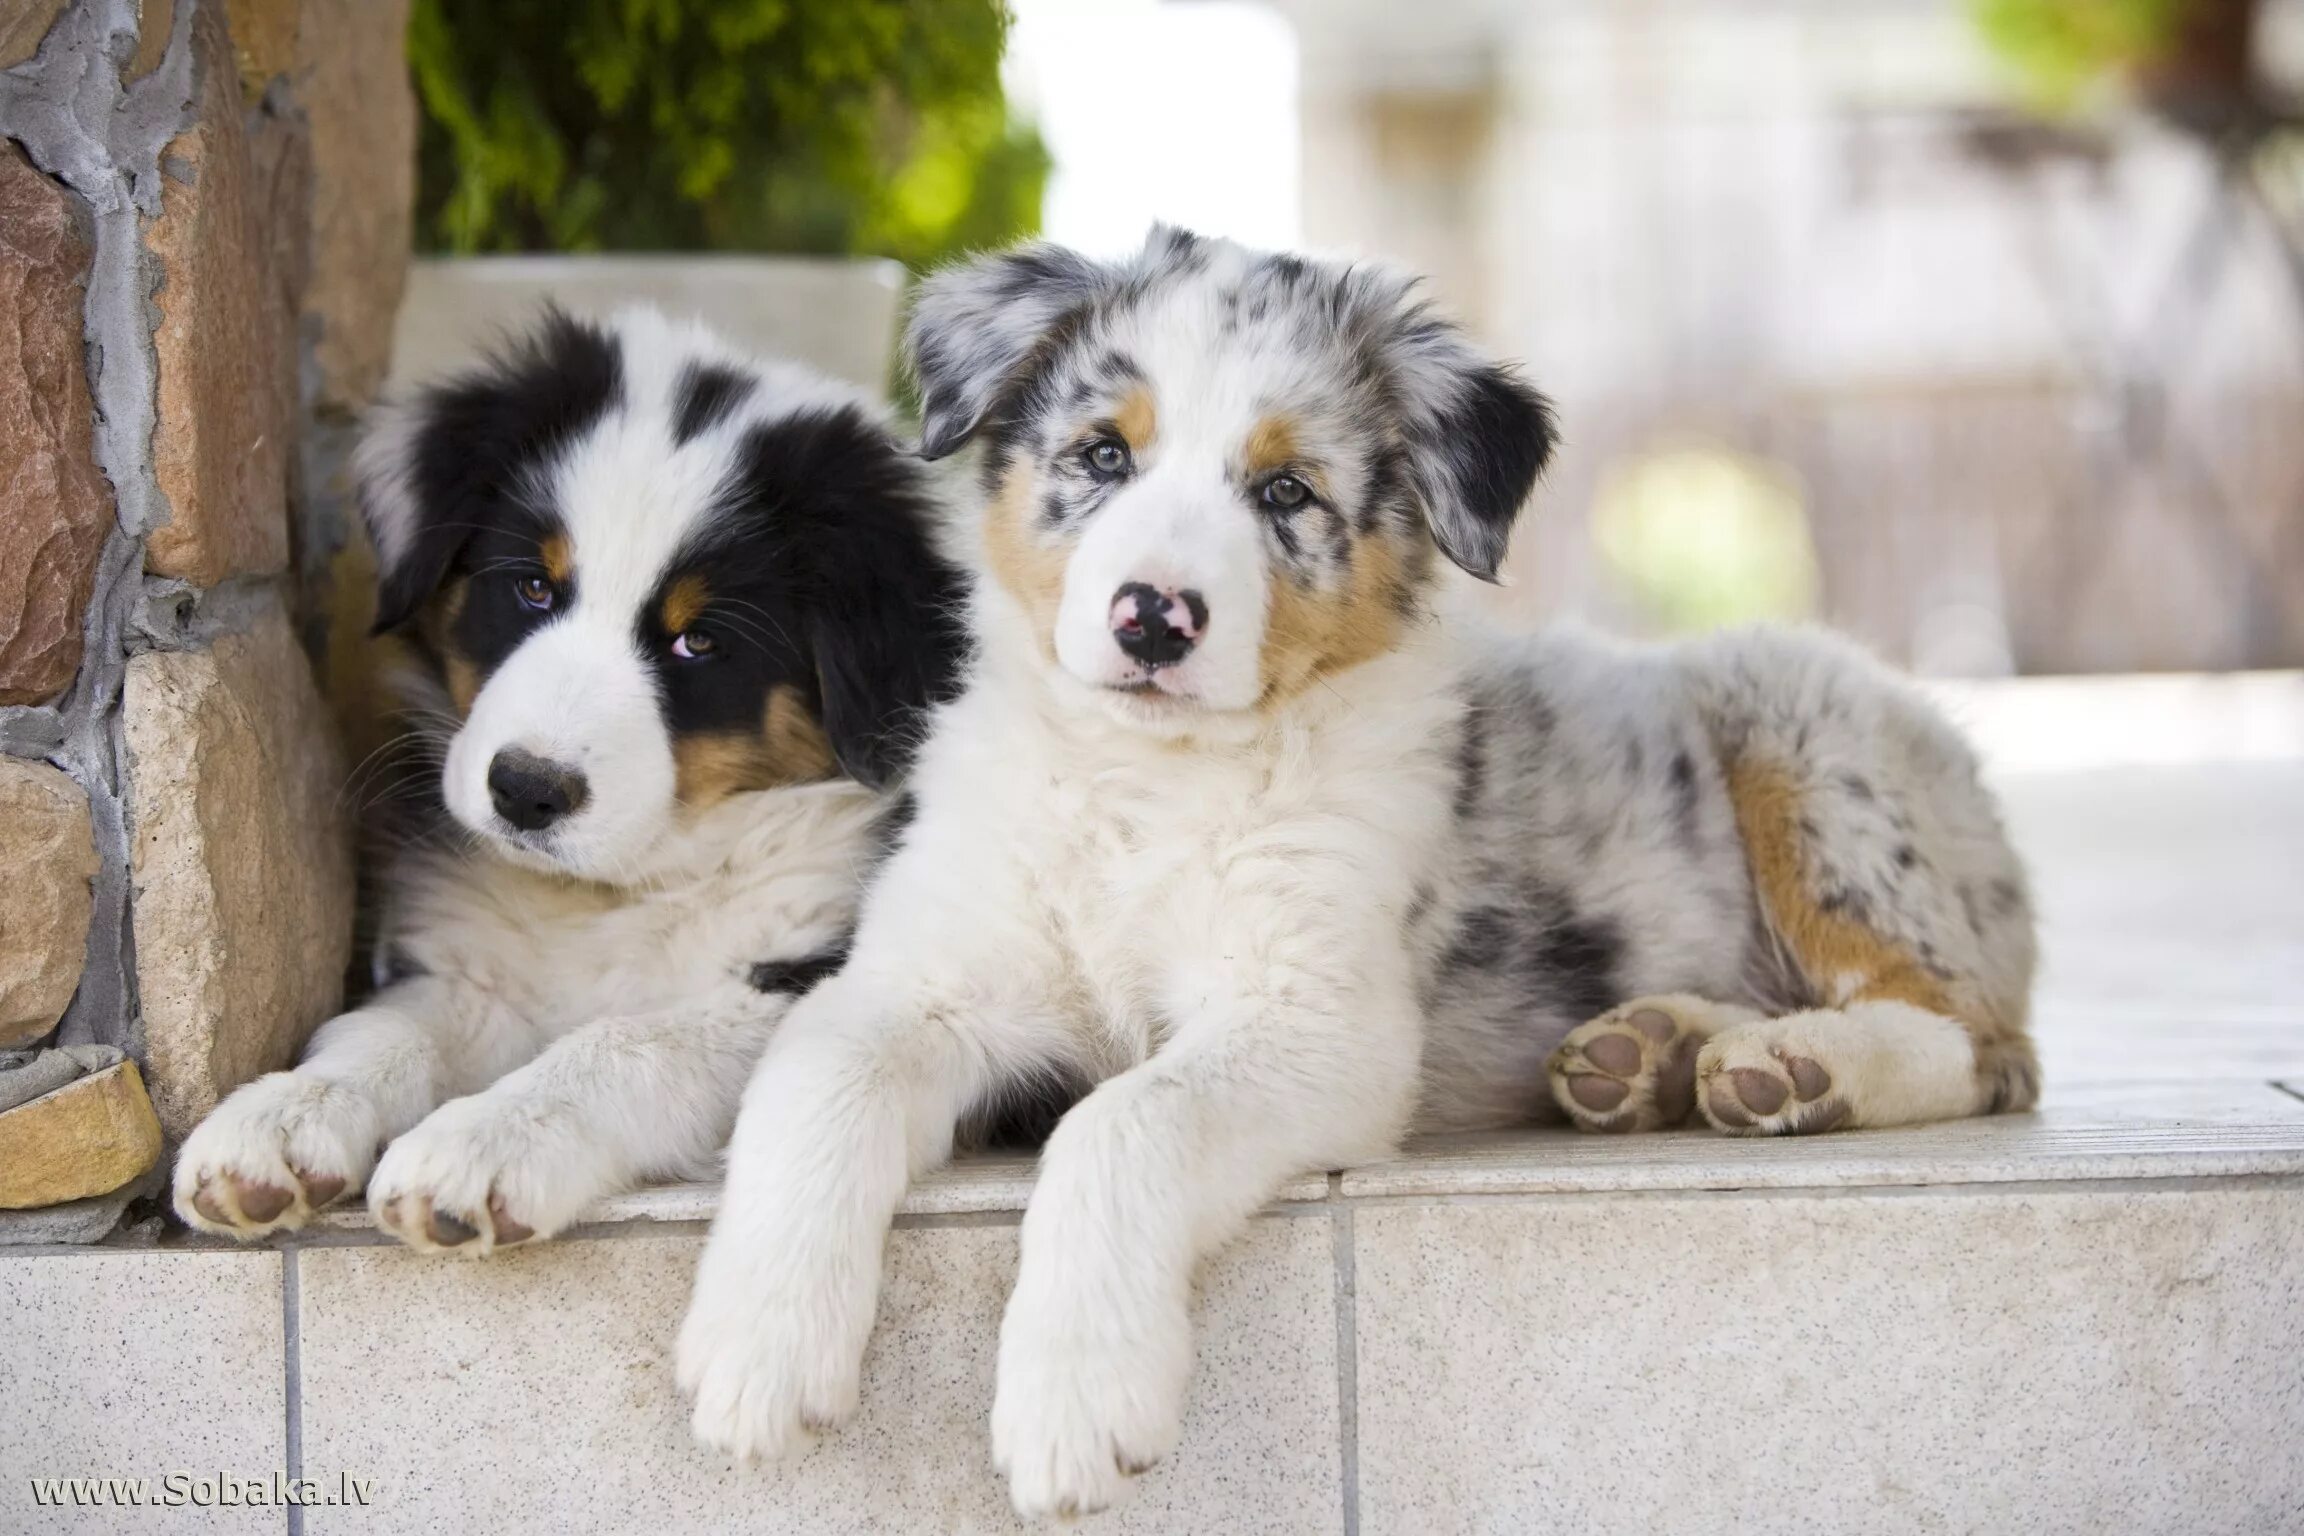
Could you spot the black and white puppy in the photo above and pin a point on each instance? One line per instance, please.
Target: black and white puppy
(1236, 821)
(672, 612)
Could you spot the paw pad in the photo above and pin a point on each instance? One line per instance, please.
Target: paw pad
(1633, 1069)
(1783, 1094)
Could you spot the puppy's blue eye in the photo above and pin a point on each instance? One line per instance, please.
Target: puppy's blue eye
(1106, 458)
(693, 645)
(1286, 493)
(535, 592)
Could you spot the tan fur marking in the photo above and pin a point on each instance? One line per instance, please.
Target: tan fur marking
(789, 748)
(1272, 445)
(559, 558)
(1311, 635)
(684, 602)
(1832, 951)
(1136, 419)
(1031, 572)
(437, 623)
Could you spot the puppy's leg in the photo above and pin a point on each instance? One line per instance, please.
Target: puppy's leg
(1146, 1176)
(859, 1090)
(1634, 1067)
(1868, 1064)
(602, 1108)
(1860, 892)
(289, 1143)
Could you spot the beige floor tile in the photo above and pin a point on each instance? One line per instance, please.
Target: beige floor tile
(1988, 1361)
(139, 1365)
(533, 1391)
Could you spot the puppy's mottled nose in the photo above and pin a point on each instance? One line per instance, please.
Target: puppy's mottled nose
(1157, 625)
(533, 792)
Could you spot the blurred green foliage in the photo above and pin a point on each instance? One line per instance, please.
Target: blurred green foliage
(2062, 48)
(868, 127)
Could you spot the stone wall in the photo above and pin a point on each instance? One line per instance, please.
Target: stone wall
(204, 214)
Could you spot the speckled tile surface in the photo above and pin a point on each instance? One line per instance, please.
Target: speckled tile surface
(137, 1365)
(975, 1185)
(1987, 1361)
(534, 1391)
(2113, 1131)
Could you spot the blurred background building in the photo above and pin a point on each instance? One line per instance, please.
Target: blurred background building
(1975, 327)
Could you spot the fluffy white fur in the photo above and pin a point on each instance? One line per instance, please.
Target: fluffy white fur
(567, 1012)
(1277, 929)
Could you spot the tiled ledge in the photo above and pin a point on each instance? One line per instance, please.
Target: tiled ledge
(2109, 1131)
(2084, 1322)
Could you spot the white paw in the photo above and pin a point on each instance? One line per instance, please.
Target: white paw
(1083, 1408)
(274, 1152)
(770, 1356)
(1772, 1081)
(478, 1174)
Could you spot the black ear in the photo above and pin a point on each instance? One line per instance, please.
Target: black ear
(1476, 434)
(431, 472)
(974, 327)
(879, 605)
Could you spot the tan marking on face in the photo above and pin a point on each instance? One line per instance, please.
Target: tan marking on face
(1027, 568)
(684, 602)
(437, 623)
(558, 556)
(1838, 955)
(790, 747)
(1311, 635)
(1273, 444)
(1136, 419)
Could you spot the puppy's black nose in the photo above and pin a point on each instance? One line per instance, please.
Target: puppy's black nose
(1157, 626)
(532, 792)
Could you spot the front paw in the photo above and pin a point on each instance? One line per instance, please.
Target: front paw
(477, 1175)
(1081, 1410)
(771, 1361)
(272, 1154)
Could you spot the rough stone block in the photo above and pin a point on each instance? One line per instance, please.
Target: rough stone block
(22, 27)
(226, 342)
(352, 80)
(47, 858)
(89, 1137)
(241, 862)
(263, 40)
(55, 506)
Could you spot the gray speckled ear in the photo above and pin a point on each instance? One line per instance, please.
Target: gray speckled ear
(974, 326)
(1476, 433)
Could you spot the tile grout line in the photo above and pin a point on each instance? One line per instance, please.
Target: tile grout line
(1347, 1352)
(292, 1359)
(2289, 1089)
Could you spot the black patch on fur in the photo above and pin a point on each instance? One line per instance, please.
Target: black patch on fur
(1857, 786)
(704, 396)
(1906, 856)
(823, 576)
(795, 978)
(2007, 897)
(1471, 762)
(1567, 959)
(478, 433)
(1685, 806)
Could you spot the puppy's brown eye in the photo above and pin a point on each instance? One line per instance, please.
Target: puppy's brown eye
(1286, 492)
(693, 645)
(535, 592)
(1106, 458)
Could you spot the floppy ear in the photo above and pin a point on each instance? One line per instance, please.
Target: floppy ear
(432, 471)
(974, 327)
(879, 604)
(413, 548)
(1476, 435)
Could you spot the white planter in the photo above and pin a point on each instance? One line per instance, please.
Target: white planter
(835, 314)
